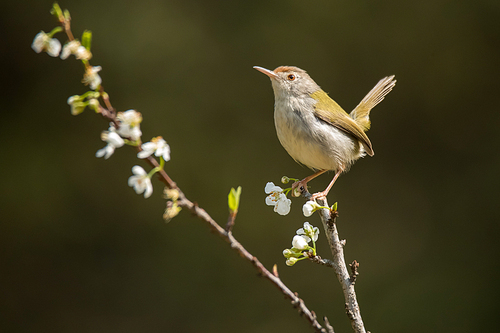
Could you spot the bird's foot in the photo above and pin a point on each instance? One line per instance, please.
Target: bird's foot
(319, 195)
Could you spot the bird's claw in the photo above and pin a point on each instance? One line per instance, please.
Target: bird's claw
(318, 195)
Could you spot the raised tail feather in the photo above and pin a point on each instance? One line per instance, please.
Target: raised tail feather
(361, 113)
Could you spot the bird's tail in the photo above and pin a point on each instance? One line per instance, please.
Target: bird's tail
(361, 113)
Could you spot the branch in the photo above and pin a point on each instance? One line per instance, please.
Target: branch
(109, 113)
(329, 218)
(183, 202)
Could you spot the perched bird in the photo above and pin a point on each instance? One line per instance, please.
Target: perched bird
(314, 129)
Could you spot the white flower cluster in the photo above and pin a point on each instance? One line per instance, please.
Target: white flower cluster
(130, 131)
(277, 199)
(300, 244)
(45, 42)
(129, 128)
(126, 129)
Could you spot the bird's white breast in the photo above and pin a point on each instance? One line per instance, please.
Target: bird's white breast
(311, 141)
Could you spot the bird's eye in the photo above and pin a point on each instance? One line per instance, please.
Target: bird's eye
(291, 77)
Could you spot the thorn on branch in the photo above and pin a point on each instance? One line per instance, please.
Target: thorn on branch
(342, 242)
(354, 271)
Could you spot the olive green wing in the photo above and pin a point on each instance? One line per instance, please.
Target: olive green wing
(329, 111)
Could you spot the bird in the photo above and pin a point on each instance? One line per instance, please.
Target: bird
(315, 130)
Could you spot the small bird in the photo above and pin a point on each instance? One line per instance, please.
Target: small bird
(314, 129)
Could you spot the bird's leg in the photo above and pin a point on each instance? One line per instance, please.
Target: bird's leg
(301, 185)
(323, 194)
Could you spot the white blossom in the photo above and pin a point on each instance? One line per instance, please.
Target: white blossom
(277, 199)
(309, 232)
(129, 124)
(130, 117)
(42, 42)
(300, 242)
(158, 146)
(309, 208)
(82, 53)
(114, 141)
(39, 42)
(92, 78)
(140, 182)
(69, 48)
(76, 48)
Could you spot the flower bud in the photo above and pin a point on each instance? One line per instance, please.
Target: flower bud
(299, 242)
(291, 261)
(287, 253)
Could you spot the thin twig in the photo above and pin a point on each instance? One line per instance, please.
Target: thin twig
(329, 218)
(321, 261)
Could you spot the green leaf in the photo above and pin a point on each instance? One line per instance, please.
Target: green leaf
(87, 39)
(233, 199)
(56, 10)
(66, 15)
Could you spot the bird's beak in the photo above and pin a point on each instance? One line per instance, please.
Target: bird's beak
(268, 72)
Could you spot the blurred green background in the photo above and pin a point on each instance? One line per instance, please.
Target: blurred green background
(81, 252)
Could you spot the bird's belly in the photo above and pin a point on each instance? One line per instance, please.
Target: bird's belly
(316, 144)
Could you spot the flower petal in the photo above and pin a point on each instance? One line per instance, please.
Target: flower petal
(149, 188)
(54, 47)
(138, 170)
(38, 42)
(269, 187)
(283, 205)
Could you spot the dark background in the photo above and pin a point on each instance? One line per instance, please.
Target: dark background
(81, 252)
